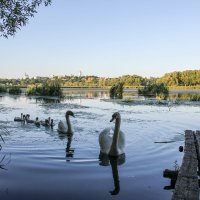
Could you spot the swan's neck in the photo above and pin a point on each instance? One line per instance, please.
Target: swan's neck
(114, 146)
(69, 125)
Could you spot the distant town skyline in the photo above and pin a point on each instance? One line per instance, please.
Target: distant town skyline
(26, 75)
(106, 39)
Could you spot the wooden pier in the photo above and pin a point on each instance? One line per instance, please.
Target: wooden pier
(187, 184)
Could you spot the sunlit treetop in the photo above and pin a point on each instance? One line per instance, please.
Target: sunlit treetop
(15, 13)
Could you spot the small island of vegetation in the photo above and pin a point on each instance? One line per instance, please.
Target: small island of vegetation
(52, 86)
(159, 90)
(49, 88)
(116, 91)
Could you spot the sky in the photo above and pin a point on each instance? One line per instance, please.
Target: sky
(106, 38)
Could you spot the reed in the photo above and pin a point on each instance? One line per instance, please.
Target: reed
(15, 90)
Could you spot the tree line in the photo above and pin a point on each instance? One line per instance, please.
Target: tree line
(173, 79)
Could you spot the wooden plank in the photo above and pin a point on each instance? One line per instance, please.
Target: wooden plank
(197, 137)
(186, 187)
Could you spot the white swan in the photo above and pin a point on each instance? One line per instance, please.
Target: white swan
(65, 126)
(112, 142)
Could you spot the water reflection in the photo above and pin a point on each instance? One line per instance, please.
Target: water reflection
(47, 100)
(114, 161)
(185, 96)
(69, 151)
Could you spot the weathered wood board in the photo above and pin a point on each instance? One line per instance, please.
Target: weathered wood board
(186, 187)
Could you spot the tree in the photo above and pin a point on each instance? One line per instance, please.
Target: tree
(159, 90)
(117, 90)
(15, 13)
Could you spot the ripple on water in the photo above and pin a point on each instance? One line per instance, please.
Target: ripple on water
(41, 159)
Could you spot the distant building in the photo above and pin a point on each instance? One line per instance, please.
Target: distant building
(25, 76)
(40, 77)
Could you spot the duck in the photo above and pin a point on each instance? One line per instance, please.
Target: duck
(65, 126)
(112, 141)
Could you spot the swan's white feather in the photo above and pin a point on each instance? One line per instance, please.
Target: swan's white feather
(62, 127)
(105, 140)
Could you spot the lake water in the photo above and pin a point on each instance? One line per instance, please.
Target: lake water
(42, 164)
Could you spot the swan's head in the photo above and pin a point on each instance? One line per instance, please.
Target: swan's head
(115, 116)
(69, 113)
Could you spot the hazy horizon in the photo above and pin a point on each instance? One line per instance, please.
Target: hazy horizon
(105, 39)
(23, 75)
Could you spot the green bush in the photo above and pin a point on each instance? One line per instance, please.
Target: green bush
(15, 90)
(157, 90)
(49, 88)
(116, 91)
(2, 89)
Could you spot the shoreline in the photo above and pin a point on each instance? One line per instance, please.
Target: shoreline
(85, 89)
(186, 90)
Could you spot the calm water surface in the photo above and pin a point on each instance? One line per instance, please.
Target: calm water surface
(42, 164)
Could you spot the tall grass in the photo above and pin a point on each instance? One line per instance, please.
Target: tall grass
(15, 90)
(3, 89)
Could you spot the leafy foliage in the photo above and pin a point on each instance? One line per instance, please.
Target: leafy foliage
(15, 13)
(15, 90)
(188, 78)
(49, 88)
(157, 90)
(117, 90)
(185, 78)
(2, 89)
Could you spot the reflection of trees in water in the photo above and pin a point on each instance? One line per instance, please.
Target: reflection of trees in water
(114, 161)
(71, 96)
(47, 100)
(185, 96)
(85, 94)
